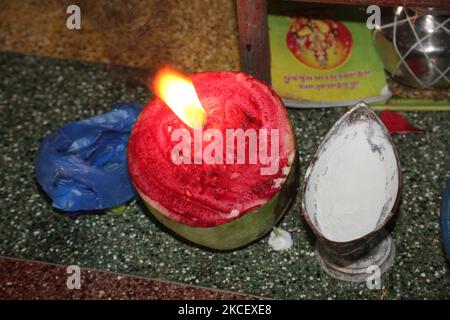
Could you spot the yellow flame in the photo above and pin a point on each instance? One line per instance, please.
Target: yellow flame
(178, 93)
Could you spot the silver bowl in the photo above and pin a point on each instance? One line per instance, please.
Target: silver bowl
(414, 45)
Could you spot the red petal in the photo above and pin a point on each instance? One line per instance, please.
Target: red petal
(397, 123)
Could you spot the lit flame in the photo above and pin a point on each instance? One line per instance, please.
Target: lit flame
(178, 93)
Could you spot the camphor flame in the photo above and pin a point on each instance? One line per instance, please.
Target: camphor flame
(178, 93)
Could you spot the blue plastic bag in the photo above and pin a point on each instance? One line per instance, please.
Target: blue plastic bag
(83, 165)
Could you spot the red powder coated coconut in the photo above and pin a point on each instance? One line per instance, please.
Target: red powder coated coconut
(210, 195)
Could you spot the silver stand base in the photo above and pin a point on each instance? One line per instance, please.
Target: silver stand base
(382, 256)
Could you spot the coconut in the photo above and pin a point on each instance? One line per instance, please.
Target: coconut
(350, 193)
(217, 205)
(352, 185)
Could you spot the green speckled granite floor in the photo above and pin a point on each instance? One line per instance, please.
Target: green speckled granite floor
(38, 95)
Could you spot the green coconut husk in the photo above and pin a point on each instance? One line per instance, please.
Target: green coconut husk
(243, 230)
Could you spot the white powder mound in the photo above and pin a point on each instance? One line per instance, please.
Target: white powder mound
(280, 240)
(353, 183)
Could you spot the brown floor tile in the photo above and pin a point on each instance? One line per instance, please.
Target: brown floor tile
(21, 279)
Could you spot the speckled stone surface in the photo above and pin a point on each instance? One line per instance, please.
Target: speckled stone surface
(37, 95)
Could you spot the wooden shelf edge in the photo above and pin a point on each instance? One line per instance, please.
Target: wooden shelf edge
(408, 3)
